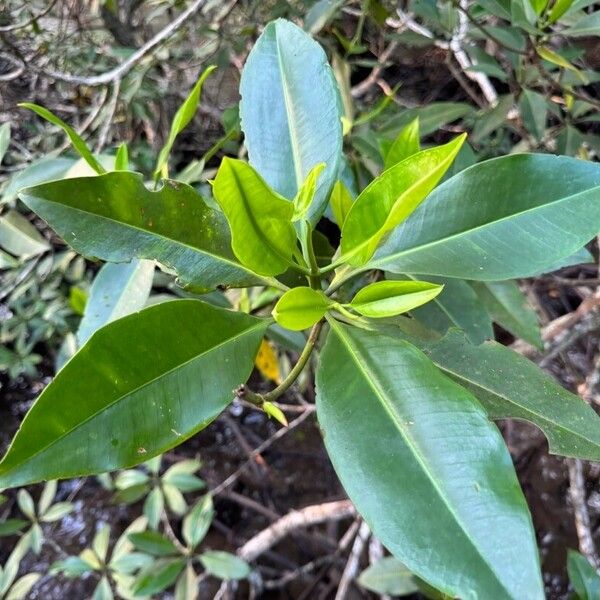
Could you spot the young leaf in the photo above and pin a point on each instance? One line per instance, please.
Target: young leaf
(224, 565)
(118, 290)
(583, 576)
(391, 198)
(406, 144)
(511, 386)
(306, 193)
(262, 235)
(275, 412)
(388, 576)
(423, 465)
(485, 224)
(197, 523)
(300, 308)
(75, 138)
(158, 576)
(134, 390)
(341, 201)
(290, 112)
(456, 306)
(181, 120)
(508, 306)
(153, 543)
(122, 158)
(172, 225)
(390, 298)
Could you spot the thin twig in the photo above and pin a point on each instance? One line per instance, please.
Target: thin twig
(353, 561)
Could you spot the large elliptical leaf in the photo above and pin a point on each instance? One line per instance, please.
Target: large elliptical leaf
(115, 217)
(290, 112)
(262, 235)
(503, 218)
(392, 197)
(140, 386)
(424, 466)
(511, 386)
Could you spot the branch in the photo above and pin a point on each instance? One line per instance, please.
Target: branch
(311, 515)
(120, 71)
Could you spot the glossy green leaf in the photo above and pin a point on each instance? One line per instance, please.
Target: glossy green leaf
(224, 565)
(390, 298)
(19, 237)
(391, 198)
(74, 137)
(508, 306)
(158, 576)
(115, 217)
(583, 576)
(300, 308)
(423, 465)
(486, 224)
(134, 390)
(122, 158)
(341, 201)
(406, 144)
(153, 543)
(306, 193)
(559, 8)
(388, 576)
(511, 386)
(290, 112)
(262, 235)
(118, 290)
(456, 306)
(181, 120)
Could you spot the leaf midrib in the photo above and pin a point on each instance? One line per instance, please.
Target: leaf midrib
(131, 392)
(390, 257)
(217, 257)
(389, 408)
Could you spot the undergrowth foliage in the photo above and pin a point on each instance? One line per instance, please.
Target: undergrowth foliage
(408, 379)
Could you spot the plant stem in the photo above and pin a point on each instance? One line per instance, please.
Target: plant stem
(314, 277)
(244, 392)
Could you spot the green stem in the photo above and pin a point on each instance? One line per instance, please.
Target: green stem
(314, 277)
(260, 399)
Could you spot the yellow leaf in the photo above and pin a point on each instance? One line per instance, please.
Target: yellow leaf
(267, 363)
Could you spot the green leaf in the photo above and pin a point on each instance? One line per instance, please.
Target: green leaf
(431, 117)
(406, 144)
(224, 565)
(423, 465)
(584, 578)
(589, 25)
(486, 224)
(319, 15)
(136, 389)
(4, 139)
(290, 112)
(197, 522)
(388, 576)
(511, 386)
(181, 120)
(559, 9)
(118, 290)
(153, 507)
(391, 198)
(100, 542)
(22, 586)
(26, 505)
(114, 217)
(300, 308)
(273, 411)
(71, 567)
(508, 306)
(75, 138)
(19, 237)
(306, 193)
(103, 590)
(122, 158)
(456, 306)
(153, 543)
(534, 110)
(390, 298)
(11, 526)
(158, 576)
(341, 201)
(262, 235)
